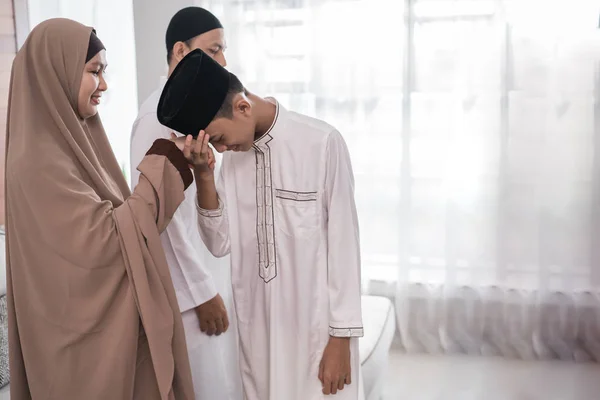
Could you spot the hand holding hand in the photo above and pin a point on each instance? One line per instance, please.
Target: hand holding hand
(196, 151)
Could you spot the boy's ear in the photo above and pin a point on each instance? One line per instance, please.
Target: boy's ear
(242, 105)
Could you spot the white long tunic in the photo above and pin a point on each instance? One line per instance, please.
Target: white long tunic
(197, 276)
(288, 219)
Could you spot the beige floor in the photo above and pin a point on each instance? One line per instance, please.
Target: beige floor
(416, 377)
(412, 377)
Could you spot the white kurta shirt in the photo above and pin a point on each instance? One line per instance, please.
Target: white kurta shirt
(196, 274)
(288, 219)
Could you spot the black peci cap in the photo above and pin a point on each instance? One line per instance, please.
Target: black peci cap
(193, 94)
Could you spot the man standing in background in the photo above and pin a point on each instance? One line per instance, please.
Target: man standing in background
(212, 347)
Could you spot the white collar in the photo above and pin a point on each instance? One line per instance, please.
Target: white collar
(266, 137)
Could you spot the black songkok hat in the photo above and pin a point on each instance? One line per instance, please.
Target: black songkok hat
(193, 94)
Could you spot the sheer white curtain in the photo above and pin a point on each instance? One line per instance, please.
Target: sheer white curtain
(474, 128)
(341, 61)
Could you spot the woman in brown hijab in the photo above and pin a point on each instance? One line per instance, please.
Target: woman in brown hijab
(92, 309)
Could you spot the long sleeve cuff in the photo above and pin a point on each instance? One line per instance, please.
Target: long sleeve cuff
(165, 147)
(194, 295)
(350, 331)
(210, 213)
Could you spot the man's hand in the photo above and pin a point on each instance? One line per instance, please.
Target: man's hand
(212, 316)
(196, 151)
(334, 370)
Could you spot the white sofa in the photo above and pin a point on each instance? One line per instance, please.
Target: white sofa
(379, 321)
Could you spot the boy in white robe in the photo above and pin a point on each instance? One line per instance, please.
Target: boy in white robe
(284, 210)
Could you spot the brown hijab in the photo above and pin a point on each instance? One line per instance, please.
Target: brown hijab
(92, 309)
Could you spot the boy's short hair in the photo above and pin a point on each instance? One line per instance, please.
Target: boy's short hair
(235, 87)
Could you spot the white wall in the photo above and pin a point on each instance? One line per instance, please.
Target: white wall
(151, 18)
